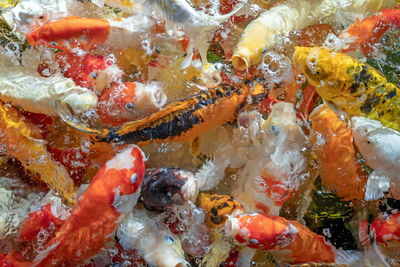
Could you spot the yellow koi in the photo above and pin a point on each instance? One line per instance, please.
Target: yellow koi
(354, 87)
(23, 143)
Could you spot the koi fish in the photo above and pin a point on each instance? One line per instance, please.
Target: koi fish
(387, 231)
(88, 71)
(112, 193)
(262, 33)
(340, 171)
(130, 101)
(277, 164)
(25, 143)
(197, 26)
(286, 240)
(37, 221)
(354, 87)
(218, 208)
(159, 246)
(184, 119)
(70, 33)
(371, 30)
(380, 147)
(39, 95)
(166, 187)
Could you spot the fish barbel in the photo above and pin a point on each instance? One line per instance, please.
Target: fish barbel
(354, 87)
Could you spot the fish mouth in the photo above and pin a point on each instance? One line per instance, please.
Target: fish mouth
(240, 61)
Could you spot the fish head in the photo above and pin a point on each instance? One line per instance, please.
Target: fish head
(218, 207)
(261, 231)
(125, 171)
(324, 69)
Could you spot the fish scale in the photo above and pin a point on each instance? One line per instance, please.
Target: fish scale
(354, 87)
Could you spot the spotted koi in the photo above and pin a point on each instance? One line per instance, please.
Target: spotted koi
(354, 87)
(185, 119)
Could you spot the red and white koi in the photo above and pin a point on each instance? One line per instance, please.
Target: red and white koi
(89, 71)
(111, 194)
(129, 101)
(371, 30)
(387, 231)
(277, 163)
(380, 147)
(286, 240)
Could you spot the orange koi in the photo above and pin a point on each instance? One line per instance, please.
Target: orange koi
(284, 239)
(71, 33)
(113, 192)
(387, 232)
(371, 30)
(81, 69)
(340, 170)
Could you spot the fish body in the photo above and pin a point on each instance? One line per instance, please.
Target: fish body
(387, 231)
(371, 30)
(89, 71)
(27, 89)
(354, 87)
(73, 33)
(159, 246)
(340, 170)
(25, 143)
(380, 147)
(186, 119)
(130, 101)
(113, 192)
(287, 240)
(262, 33)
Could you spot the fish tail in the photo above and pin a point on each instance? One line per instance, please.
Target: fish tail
(222, 18)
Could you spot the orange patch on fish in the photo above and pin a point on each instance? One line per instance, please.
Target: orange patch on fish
(332, 141)
(71, 32)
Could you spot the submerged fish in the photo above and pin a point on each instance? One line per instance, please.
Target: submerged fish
(159, 246)
(286, 240)
(371, 30)
(112, 193)
(380, 147)
(354, 87)
(263, 32)
(340, 170)
(24, 142)
(185, 119)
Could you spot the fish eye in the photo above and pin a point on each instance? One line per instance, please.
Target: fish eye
(169, 239)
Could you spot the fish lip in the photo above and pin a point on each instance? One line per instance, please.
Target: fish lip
(240, 62)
